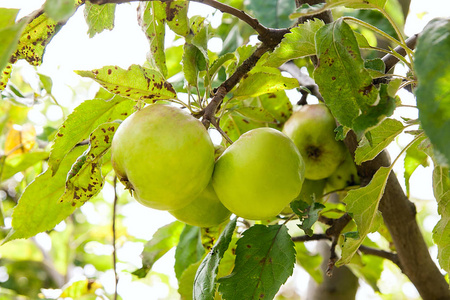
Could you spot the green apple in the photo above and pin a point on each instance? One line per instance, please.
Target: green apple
(205, 211)
(164, 155)
(258, 175)
(344, 176)
(312, 130)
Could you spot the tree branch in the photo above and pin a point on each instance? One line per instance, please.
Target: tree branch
(390, 60)
(314, 237)
(381, 253)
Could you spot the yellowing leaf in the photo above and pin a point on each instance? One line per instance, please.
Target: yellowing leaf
(137, 82)
(85, 177)
(20, 139)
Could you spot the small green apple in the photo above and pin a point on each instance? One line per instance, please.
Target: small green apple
(258, 175)
(164, 155)
(344, 176)
(311, 189)
(205, 210)
(312, 130)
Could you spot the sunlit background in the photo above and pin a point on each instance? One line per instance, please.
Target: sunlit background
(126, 44)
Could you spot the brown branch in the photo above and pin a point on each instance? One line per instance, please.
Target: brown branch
(211, 109)
(381, 253)
(307, 238)
(303, 80)
(390, 60)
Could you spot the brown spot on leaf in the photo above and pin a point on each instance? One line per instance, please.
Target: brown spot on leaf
(109, 71)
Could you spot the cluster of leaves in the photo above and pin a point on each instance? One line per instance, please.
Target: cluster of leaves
(227, 260)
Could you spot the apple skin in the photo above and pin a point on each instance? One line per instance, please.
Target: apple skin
(312, 130)
(345, 175)
(205, 210)
(258, 175)
(164, 155)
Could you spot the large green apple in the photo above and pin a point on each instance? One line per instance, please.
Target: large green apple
(164, 155)
(258, 175)
(312, 130)
(205, 211)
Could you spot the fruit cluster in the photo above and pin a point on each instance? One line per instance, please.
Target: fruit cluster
(166, 157)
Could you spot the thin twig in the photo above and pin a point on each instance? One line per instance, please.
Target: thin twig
(314, 237)
(381, 253)
(303, 80)
(116, 276)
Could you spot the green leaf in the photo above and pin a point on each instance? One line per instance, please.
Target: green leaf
(99, 17)
(137, 82)
(205, 278)
(85, 180)
(260, 83)
(342, 79)
(20, 162)
(265, 258)
(414, 158)
(381, 137)
(186, 281)
(272, 13)
(308, 214)
(362, 205)
(152, 16)
(38, 208)
(189, 249)
(9, 35)
(441, 232)
(433, 75)
(359, 3)
(298, 43)
(164, 239)
(193, 63)
(60, 10)
(46, 82)
(176, 16)
(307, 10)
(7, 17)
(83, 120)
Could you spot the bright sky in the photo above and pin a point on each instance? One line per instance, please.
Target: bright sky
(126, 44)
